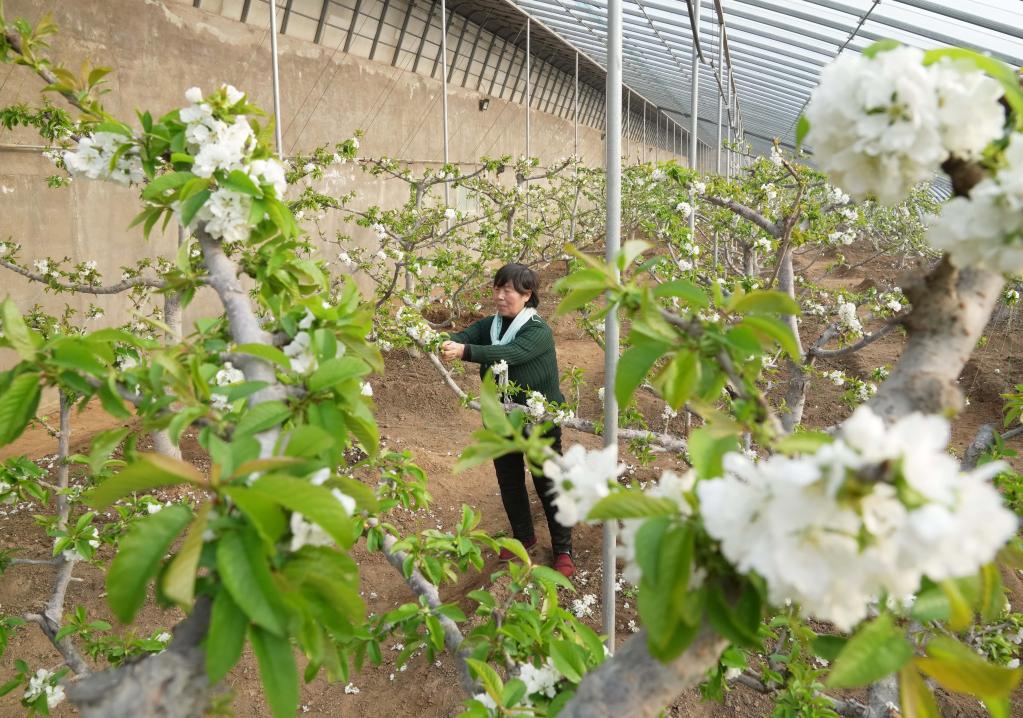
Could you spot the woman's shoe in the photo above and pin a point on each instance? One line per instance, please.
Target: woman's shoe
(507, 555)
(564, 565)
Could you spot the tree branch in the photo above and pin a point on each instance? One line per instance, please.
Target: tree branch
(746, 213)
(122, 286)
(867, 340)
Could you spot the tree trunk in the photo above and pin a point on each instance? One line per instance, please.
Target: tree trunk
(795, 394)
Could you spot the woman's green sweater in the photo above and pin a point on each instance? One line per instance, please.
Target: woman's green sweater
(532, 362)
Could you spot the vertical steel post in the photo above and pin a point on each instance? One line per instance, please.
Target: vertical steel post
(576, 102)
(613, 164)
(528, 23)
(275, 79)
(644, 131)
(627, 125)
(444, 92)
(721, 98)
(694, 109)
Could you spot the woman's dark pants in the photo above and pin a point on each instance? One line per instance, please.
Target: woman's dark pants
(511, 477)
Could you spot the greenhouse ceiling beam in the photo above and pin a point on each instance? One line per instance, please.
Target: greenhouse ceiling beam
(641, 60)
(745, 43)
(952, 12)
(595, 43)
(914, 30)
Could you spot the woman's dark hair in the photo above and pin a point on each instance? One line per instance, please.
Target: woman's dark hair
(522, 278)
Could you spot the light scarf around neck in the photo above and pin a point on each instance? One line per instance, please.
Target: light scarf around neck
(520, 321)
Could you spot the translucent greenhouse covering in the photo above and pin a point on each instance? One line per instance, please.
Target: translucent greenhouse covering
(774, 50)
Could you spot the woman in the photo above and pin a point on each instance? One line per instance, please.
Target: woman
(518, 336)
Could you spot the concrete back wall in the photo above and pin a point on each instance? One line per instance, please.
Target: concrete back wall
(159, 48)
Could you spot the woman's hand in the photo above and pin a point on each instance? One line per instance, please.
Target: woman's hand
(450, 351)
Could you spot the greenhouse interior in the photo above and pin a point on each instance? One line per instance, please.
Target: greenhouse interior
(511, 358)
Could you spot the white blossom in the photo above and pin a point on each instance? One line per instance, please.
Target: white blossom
(581, 478)
(367, 389)
(699, 187)
(301, 353)
(270, 172)
(583, 607)
(225, 215)
(500, 369)
(43, 683)
(825, 533)
(94, 153)
(685, 209)
(536, 405)
(985, 229)
(542, 680)
(847, 317)
(351, 688)
(880, 125)
(193, 95)
(449, 213)
(229, 375)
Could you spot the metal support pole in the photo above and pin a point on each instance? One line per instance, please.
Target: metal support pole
(721, 107)
(613, 165)
(444, 92)
(275, 79)
(575, 115)
(644, 131)
(628, 123)
(694, 110)
(657, 137)
(528, 24)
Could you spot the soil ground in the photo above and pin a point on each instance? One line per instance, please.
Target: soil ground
(417, 412)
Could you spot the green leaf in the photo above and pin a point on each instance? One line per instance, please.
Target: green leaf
(732, 622)
(957, 668)
(491, 681)
(241, 182)
(828, 647)
(679, 378)
(191, 206)
(880, 46)
(138, 558)
(802, 129)
(761, 301)
(18, 405)
(931, 604)
(687, 291)
(316, 503)
(16, 331)
(226, 637)
(278, 670)
(264, 351)
(149, 472)
(633, 366)
(631, 505)
(334, 371)
(876, 650)
(514, 692)
(171, 180)
(578, 298)
(568, 660)
(494, 416)
(179, 578)
(992, 596)
(776, 330)
(707, 447)
(960, 606)
(243, 569)
(263, 512)
(916, 698)
(262, 417)
(308, 441)
(802, 442)
(630, 250)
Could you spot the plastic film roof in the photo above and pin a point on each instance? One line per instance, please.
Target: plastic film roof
(775, 48)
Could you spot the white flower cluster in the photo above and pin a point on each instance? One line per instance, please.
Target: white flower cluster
(226, 376)
(500, 370)
(699, 187)
(835, 376)
(43, 683)
(542, 680)
(879, 125)
(218, 145)
(986, 229)
(583, 607)
(94, 153)
(770, 192)
(825, 533)
(581, 478)
(848, 319)
(776, 157)
(845, 237)
(422, 333)
(685, 209)
(657, 175)
(562, 415)
(669, 486)
(536, 405)
(300, 351)
(837, 196)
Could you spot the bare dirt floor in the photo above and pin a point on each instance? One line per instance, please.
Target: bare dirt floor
(418, 413)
